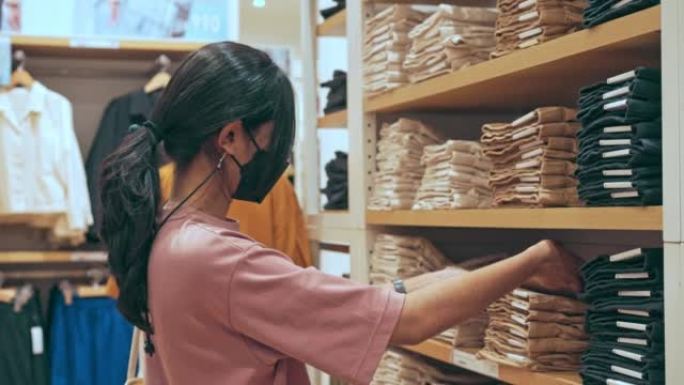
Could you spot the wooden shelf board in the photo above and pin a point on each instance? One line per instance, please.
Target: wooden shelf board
(568, 218)
(335, 25)
(97, 48)
(465, 3)
(548, 74)
(335, 120)
(466, 359)
(31, 257)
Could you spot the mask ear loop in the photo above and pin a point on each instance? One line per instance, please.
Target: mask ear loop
(219, 166)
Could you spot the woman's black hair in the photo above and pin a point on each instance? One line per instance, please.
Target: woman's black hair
(218, 84)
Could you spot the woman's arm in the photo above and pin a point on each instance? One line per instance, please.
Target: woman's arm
(438, 305)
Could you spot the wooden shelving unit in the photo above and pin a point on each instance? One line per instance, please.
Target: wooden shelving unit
(568, 218)
(537, 75)
(99, 48)
(335, 120)
(509, 374)
(31, 257)
(335, 25)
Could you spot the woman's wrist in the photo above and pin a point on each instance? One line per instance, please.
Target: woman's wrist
(541, 252)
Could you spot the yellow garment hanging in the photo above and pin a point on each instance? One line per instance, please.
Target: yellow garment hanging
(277, 222)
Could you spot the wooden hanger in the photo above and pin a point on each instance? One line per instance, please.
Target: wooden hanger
(96, 289)
(20, 77)
(162, 77)
(7, 295)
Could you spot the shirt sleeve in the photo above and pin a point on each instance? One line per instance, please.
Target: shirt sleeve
(332, 323)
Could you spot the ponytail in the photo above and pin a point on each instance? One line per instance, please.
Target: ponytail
(130, 198)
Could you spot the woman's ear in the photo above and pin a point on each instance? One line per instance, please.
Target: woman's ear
(229, 137)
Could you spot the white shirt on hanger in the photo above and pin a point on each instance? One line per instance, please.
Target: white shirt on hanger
(41, 168)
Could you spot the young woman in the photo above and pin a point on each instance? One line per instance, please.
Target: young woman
(219, 308)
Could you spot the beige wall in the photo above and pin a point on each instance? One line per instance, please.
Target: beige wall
(277, 24)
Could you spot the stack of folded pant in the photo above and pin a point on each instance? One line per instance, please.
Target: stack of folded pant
(601, 11)
(403, 368)
(385, 47)
(456, 176)
(337, 96)
(337, 188)
(538, 331)
(526, 23)
(399, 170)
(468, 334)
(398, 256)
(620, 160)
(534, 158)
(451, 38)
(625, 319)
(339, 6)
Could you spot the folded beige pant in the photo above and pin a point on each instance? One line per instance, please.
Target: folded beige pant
(501, 308)
(514, 6)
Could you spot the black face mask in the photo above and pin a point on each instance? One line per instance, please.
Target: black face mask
(259, 175)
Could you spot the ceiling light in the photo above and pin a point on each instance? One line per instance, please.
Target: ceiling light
(259, 3)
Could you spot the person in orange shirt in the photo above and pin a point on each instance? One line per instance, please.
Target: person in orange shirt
(277, 222)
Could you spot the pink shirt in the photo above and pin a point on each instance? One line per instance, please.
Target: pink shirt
(228, 311)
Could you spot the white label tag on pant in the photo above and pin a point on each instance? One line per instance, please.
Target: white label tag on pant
(625, 194)
(617, 129)
(514, 342)
(627, 172)
(519, 319)
(620, 4)
(627, 372)
(615, 93)
(631, 326)
(625, 255)
(530, 33)
(37, 340)
(533, 153)
(617, 185)
(616, 153)
(528, 16)
(525, 132)
(634, 293)
(530, 179)
(615, 142)
(628, 355)
(632, 341)
(529, 43)
(527, 118)
(622, 77)
(517, 332)
(521, 293)
(528, 164)
(637, 313)
(520, 305)
(610, 381)
(643, 275)
(526, 4)
(616, 105)
(526, 189)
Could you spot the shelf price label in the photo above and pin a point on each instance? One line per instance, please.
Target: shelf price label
(471, 362)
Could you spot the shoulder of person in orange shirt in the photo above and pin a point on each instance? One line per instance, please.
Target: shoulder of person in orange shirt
(277, 222)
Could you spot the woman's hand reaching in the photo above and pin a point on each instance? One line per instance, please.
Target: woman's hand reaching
(558, 270)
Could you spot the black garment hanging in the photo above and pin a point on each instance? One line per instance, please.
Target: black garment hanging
(120, 114)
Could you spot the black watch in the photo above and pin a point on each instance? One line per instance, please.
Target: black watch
(399, 286)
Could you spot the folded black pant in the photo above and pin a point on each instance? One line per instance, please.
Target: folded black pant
(654, 351)
(636, 88)
(642, 152)
(642, 130)
(622, 370)
(622, 357)
(601, 11)
(591, 174)
(640, 259)
(620, 184)
(330, 11)
(19, 364)
(602, 282)
(592, 375)
(639, 73)
(608, 324)
(625, 107)
(612, 303)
